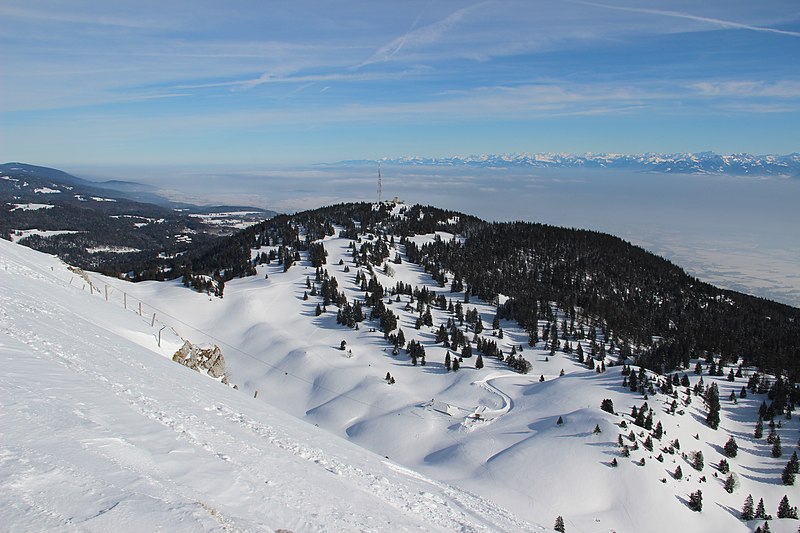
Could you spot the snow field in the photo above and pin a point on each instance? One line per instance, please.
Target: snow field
(101, 434)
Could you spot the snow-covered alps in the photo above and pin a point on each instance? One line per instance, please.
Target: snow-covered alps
(684, 163)
(103, 431)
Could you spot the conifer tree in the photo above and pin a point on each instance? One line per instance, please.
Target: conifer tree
(776, 447)
(696, 501)
(698, 463)
(712, 402)
(479, 362)
(731, 448)
(759, 429)
(787, 477)
(730, 484)
(559, 526)
(447, 361)
(785, 510)
(747, 508)
(760, 512)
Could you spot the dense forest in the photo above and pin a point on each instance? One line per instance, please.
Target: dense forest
(640, 301)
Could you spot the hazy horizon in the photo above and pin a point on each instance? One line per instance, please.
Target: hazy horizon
(736, 232)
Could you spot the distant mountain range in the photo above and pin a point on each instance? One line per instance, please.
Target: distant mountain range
(681, 163)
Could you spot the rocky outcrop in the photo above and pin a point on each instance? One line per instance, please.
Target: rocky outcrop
(207, 360)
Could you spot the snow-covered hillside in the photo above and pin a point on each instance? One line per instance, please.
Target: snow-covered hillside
(526, 442)
(102, 432)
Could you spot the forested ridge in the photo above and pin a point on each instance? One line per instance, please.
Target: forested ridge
(642, 301)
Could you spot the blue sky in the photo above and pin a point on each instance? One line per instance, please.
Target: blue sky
(272, 83)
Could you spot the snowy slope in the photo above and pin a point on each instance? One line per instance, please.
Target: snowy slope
(491, 432)
(101, 432)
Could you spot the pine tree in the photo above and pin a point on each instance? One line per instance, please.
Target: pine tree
(794, 463)
(787, 477)
(776, 447)
(678, 472)
(731, 448)
(712, 401)
(479, 362)
(447, 361)
(559, 526)
(560, 421)
(760, 512)
(747, 508)
(696, 501)
(698, 462)
(785, 510)
(607, 405)
(730, 484)
(724, 467)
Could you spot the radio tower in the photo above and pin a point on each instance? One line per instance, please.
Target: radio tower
(380, 186)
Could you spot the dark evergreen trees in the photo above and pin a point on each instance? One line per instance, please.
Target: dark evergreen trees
(607, 405)
(785, 510)
(760, 511)
(747, 509)
(788, 474)
(696, 501)
(713, 406)
(559, 525)
(731, 448)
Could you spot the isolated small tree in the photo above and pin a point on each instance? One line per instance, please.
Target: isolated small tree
(456, 364)
(447, 362)
(607, 405)
(747, 508)
(698, 462)
(731, 448)
(318, 310)
(560, 421)
(343, 345)
(559, 526)
(541, 378)
(479, 362)
(696, 501)
(724, 467)
(730, 484)
(597, 430)
(678, 474)
(614, 462)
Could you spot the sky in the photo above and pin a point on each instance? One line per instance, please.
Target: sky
(281, 83)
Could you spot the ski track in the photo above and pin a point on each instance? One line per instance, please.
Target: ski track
(483, 415)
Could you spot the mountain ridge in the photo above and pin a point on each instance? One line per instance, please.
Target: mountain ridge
(742, 164)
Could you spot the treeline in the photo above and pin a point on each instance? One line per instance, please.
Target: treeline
(641, 302)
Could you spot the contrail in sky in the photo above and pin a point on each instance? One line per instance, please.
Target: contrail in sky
(689, 16)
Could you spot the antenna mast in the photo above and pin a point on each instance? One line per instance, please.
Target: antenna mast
(380, 186)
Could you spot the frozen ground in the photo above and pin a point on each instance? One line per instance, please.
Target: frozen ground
(105, 427)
